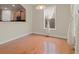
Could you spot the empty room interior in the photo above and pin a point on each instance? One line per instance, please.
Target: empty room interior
(39, 28)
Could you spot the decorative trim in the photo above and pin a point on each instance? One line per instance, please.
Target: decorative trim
(26, 34)
(49, 35)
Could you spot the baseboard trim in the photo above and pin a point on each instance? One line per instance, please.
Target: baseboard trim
(26, 34)
(49, 36)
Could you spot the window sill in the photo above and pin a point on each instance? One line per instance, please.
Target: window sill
(50, 29)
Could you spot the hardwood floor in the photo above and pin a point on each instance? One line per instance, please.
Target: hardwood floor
(33, 44)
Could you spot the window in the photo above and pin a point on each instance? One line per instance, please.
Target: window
(6, 15)
(49, 18)
(12, 13)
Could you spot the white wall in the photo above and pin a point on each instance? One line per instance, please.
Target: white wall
(10, 30)
(71, 29)
(63, 18)
(77, 28)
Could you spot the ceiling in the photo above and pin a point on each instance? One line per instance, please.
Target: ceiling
(11, 6)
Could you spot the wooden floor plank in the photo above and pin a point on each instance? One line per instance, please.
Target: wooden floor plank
(33, 44)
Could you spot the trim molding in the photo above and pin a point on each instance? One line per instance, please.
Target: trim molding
(49, 35)
(26, 34)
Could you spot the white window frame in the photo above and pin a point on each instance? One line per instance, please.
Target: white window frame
(48, 22)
